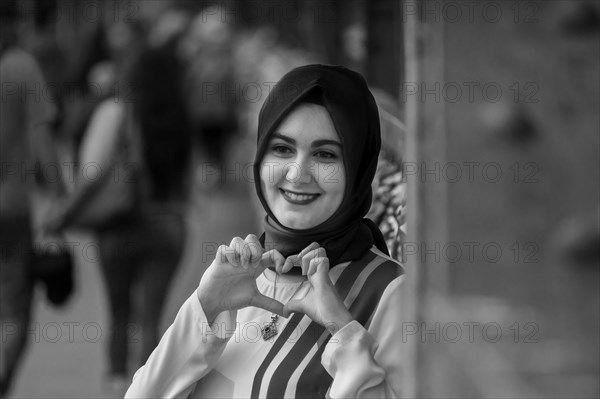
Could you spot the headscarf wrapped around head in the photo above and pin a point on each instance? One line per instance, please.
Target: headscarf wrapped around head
(346, 235)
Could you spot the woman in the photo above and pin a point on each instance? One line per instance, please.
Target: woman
(142, 140)
(143, 248)
(310, 309)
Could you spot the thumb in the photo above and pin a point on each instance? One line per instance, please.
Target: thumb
(295, 305)
(269, 304)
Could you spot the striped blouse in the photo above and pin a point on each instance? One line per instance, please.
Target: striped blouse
(230, 359)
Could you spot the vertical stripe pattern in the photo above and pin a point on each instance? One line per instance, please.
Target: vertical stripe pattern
(315, 380)
(371, 271)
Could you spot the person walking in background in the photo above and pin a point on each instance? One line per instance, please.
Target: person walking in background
(142, 141)
(26, 151)
(154, 235)
(210, 92)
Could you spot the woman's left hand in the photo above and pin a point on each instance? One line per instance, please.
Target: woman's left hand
(322, 302)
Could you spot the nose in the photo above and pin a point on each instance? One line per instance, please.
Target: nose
(299, 171)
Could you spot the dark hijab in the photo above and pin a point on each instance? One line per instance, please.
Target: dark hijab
(346, 235)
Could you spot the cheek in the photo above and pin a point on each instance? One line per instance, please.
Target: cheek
(267, 175)
(271, 173)
(332, 178)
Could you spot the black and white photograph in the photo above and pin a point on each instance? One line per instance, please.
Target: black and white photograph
(300, 199)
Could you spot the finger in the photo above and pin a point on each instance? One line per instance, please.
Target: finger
(281, 264)
(295, 305)
(290, 262)
(312, 267)
(321, 272)
(296, 260)
(226, 254)
(242, 251)
(269, 304)
(231, 255)
(272, 258)
(312, 246)
(316, 253)
(256, 250)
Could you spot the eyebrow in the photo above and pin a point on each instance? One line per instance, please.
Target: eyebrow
(316, 143)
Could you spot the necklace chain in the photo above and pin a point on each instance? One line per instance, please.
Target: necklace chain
(270, 330)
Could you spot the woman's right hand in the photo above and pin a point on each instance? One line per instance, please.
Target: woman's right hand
(229, 283)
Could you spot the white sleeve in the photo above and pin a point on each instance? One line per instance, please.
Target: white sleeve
(187, 351)
(367, 364)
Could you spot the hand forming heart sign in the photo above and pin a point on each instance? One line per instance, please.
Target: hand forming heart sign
(229, 283)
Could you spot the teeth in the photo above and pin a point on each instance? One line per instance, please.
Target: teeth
(300, 197)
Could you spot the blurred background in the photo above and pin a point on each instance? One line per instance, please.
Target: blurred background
(487, 187)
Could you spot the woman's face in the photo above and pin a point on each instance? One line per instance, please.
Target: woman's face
(302, 172)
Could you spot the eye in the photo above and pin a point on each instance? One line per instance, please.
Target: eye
(326, 155)
(280, 149)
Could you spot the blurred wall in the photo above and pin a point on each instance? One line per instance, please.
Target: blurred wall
(502, 102)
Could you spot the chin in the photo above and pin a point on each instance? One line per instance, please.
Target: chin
(297, 224)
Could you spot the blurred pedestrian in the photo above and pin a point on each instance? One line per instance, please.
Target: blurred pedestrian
(141, 143)
(26, 153)
(211, 95)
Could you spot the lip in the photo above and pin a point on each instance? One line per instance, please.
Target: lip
(298, 198)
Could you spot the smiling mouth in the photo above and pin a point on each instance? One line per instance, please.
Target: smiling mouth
(297, 198)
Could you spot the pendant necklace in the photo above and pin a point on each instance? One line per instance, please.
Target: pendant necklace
(270, 330)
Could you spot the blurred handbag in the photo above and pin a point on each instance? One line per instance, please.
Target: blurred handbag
(50, 262)
(54, 270)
